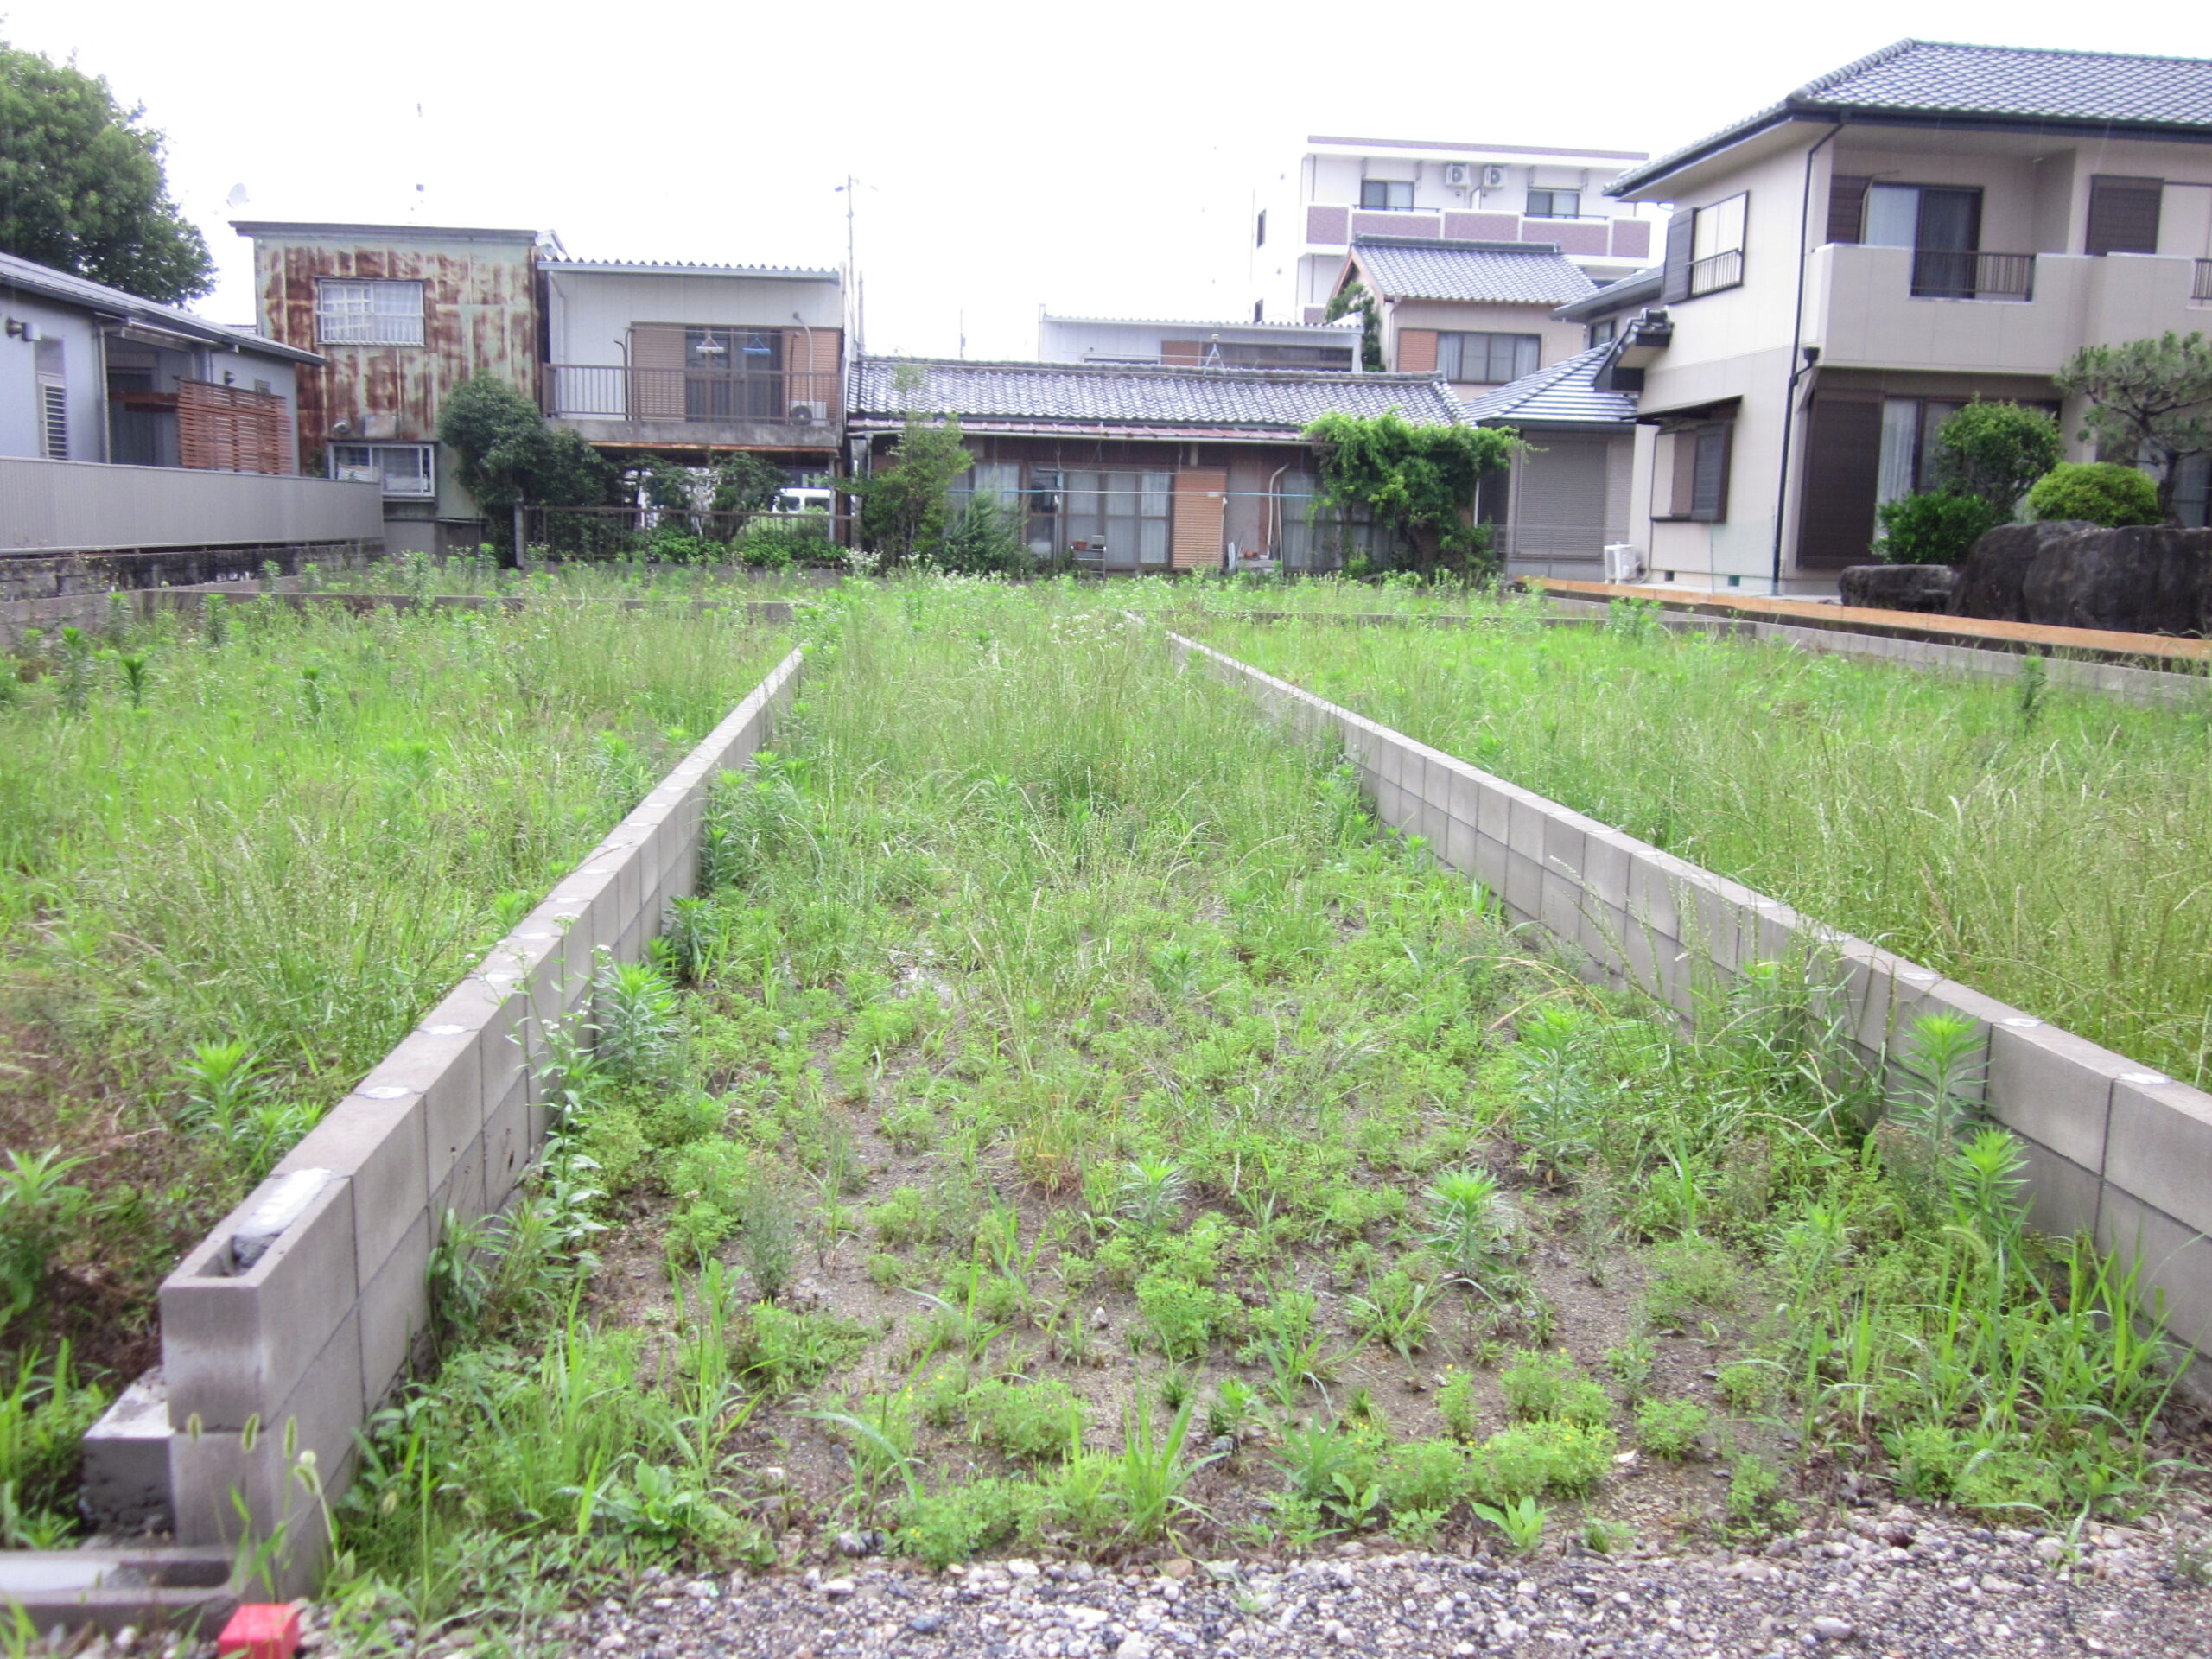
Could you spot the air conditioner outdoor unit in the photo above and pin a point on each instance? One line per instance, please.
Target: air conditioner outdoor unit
(808, 413)
(1493, 178)
(1624, 562)
(1455, 173)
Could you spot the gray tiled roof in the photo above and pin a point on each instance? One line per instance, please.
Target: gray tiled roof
(1411, 268)
(28, 277)
(2007, 83)
(1178, 401)
(1564, 394)
(1639, 290)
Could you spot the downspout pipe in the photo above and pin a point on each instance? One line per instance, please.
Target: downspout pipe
(1798, 365)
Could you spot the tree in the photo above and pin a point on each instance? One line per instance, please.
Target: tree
(1993, 451)
(1418, 480)
(81, 186)
(905, 508)
(1354, 296)
(509, 455)
(2150, 402)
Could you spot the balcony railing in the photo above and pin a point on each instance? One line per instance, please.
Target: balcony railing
(1719, 270)
(596, 391)
(1969, 274)
(2202, 288)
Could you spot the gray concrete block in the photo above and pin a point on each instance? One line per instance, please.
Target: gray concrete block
(1652, 876)
(1491, 860)
(511, 1037)
(2062, 1195)
(2159, 1148)
(1459, 845)
(394, 1310)
(508, 1148)
(1524, 887)
(1605, 867)
(1464, 791)
(2175, 1261)
(1602, 930)
(1713, 927)
(461, 1194)
(380, 1146)
(233, 1344)
(452, 1109)
(1565, 846)
(126, 1461)
(1559, 907)
(1494, 811)
(1526, 818)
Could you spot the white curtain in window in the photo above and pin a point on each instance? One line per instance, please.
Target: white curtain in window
(1900, 443)
(1153, 499)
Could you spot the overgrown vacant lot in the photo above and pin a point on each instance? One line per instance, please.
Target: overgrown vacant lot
(2051, 848)
(238, 857)
(1063, 1124)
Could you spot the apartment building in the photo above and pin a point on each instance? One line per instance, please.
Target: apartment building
(1932, 224)
(1305, 219)
(689, 361)
(402, 314)
(1478, 314)
(1211, 345)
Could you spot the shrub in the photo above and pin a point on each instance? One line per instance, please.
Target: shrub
(941, 1528)
(1689, 1273)
(2101, 492)
(770, 545)
(1184, 1318)
(1424, 1475)
(1935, 528)
(985, 540)
(1455, 1401)
(1669, 1428)
(1995, 450)
(1031, 1420)
(1547, 1385)
(1533, 1459)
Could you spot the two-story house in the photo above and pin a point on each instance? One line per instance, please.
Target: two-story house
(1929, 224)
(1477, 314)
(688, 362)
(401, 314)
(1305, 219)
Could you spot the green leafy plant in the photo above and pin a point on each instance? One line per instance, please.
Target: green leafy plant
(1669, 1428)
(1549, 1386)
(2100, 492)
(1522, 1521)
(1417, 480)
(1934, 527)
(1995, 450)
(39, 1209)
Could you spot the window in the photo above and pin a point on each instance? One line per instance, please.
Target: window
(1602, 331)
(1705, 249)
(369, 314)
(1690, 480)
(1488, 359)
(1387, 194)
(2123, 214)
(734, 374)
(1118, 518)
(2193, 490)
(1717, 247)
(405, 469)
(1941, 224)
(1554, 204)
(50, 361)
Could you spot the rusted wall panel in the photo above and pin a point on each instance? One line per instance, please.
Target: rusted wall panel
(479, 316)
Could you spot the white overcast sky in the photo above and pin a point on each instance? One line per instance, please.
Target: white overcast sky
(1099, 160)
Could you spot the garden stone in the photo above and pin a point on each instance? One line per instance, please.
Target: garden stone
(1925, 587)
(1992, 583)
(2142, 579)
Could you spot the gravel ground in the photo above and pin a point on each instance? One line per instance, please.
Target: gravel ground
(1901, 1583)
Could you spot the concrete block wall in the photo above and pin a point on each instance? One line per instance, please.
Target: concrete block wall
(2115, 1149)
(291, 1355)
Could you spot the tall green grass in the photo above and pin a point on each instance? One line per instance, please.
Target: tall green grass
(2049, 847)
(240, 856)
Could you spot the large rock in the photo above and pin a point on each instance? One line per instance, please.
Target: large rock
(1898, 586)
(1993, 583)
(2144, 579)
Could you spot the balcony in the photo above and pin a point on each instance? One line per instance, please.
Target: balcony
(1991, 313)
(610, 402)
(1950, 274)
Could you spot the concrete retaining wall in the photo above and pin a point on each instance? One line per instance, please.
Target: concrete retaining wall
(2115, 1149)
(290, 1356)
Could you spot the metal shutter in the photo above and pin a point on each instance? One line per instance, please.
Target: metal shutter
(1847, 207)
(1843, 460)
(2124, 214)
(1681, 237)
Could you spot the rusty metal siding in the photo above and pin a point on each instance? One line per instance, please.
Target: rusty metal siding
(479, 316)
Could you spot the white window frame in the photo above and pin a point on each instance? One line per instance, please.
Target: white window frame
(374, 461)
(349, 311)
(1717, 232)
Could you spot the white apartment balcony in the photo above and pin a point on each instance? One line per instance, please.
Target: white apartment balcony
(1992, 313)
